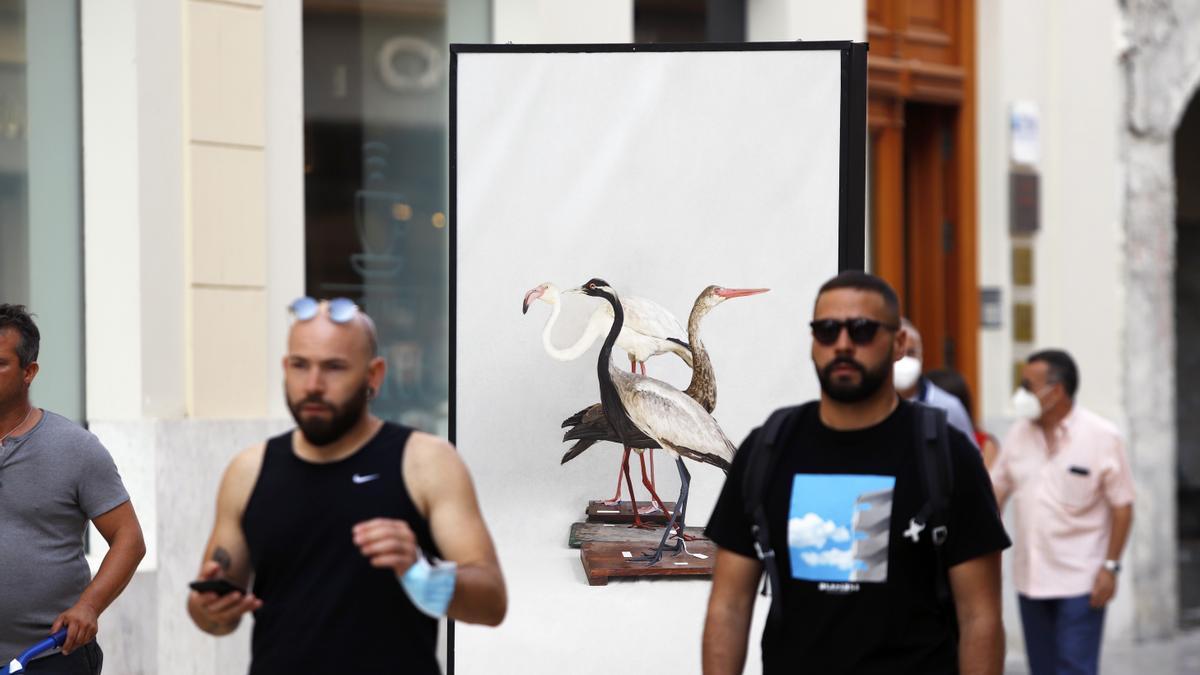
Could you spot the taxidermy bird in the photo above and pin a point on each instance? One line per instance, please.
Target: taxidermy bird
(590, 425)
(649, 330)
(635, 403)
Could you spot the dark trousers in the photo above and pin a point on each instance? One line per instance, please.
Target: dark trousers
(1062, 635)
(86, 660)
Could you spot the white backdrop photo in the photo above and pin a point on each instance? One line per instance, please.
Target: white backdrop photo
(661, 169)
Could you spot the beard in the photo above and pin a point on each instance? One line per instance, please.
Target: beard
(849, 392)
(323, 431)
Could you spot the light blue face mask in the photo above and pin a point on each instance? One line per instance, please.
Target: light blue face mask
(430, 587)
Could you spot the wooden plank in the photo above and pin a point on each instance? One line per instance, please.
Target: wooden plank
(582, 533)
(622, 512)
(602, 561)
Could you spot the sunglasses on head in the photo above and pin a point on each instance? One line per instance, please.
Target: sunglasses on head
(341, 310)
(861, 331)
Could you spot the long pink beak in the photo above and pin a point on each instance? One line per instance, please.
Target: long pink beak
(740, 292)
(529, 298)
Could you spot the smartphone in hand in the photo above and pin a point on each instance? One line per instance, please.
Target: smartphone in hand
(218, 586)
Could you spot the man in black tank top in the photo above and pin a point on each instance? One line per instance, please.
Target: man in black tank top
(335, 522)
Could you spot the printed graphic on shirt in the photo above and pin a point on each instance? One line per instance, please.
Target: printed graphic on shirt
(838, 527)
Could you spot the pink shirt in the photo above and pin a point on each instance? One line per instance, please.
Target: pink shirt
(1063, 495)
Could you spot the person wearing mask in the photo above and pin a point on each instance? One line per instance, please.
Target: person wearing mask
(1065, 468)
(912, 385)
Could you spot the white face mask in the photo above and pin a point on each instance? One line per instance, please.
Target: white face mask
(906, 372)
(1026, 405)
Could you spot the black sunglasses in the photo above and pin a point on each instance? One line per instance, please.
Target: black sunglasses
(861, 331)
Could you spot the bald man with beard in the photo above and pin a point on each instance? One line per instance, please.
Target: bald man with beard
(337, 521)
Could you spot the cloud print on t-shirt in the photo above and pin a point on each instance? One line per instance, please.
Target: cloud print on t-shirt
(834, 557)
(813, 530)
(838, 527)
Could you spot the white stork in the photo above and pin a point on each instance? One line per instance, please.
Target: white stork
(635, 403)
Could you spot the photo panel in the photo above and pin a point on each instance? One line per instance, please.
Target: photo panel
(662, 170)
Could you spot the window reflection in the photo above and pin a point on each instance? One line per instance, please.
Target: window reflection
(41, 251)
(376, 84)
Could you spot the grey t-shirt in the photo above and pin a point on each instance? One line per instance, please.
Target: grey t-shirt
(53, 480)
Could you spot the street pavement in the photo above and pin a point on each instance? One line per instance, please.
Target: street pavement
(1178, 656)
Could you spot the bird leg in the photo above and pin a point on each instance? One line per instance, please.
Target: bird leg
(681, 507)
(650, 486)
(616, 500)
(653, 558)
(652, 482)
(637, 518)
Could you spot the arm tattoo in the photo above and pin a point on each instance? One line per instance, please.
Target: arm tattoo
(222, 558)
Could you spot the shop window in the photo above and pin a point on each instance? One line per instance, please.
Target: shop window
(41, 239)
(376, 80)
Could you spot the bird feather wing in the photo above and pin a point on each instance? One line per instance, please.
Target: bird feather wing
(672, 418)
(649, 318)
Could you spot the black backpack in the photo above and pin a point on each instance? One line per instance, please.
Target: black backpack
(933, 457)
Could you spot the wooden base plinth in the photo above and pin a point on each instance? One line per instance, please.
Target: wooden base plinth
(604, 561)
(582, 533)
(622, 512)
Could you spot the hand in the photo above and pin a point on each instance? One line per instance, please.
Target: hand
(387, 543)
(218, 614)
(1103, 589)
(81, 622)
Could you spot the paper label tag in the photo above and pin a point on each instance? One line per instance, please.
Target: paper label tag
(626, 554)
(607, 511)
(700, 556)
(681, 563)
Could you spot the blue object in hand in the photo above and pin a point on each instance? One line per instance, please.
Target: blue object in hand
(429, 587)
(18, 664)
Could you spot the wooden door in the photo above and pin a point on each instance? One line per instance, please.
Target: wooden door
(932, 257)
(921, 117)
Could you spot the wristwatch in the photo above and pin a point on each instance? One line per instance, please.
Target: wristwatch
(1113, 566)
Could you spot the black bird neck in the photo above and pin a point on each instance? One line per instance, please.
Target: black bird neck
(614, 410)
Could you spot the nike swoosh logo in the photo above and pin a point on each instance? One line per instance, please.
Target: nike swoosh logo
(359, 480)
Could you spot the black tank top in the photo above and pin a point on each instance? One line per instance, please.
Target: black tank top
(325, 609)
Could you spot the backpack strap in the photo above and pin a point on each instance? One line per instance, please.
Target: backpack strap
(937, 478)
(764, 456)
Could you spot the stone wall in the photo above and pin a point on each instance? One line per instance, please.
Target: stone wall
(1161, 56)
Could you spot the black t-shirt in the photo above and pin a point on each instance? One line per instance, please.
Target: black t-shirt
(859, 595)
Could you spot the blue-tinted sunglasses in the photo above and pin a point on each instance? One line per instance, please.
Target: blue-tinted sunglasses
(341, 310)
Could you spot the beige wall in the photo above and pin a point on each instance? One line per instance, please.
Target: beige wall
(226, 201)
(193, 213)
(559, 21)
(786, 20)
(1026, 53)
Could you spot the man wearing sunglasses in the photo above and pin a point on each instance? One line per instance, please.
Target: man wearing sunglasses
(1066, 470)
(358, 534)
(858, 575)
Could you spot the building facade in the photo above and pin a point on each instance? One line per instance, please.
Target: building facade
(173, 174)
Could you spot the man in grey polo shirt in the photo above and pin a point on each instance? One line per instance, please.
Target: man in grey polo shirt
(914, 386)
(54, 478)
